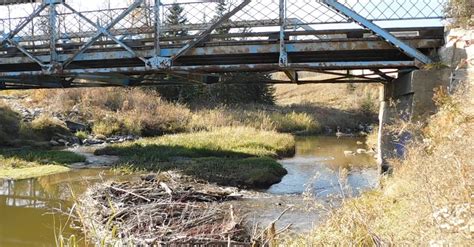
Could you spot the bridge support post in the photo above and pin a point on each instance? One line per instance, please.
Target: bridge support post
(407, 99)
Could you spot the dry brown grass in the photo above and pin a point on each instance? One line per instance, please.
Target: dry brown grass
(116, 110)
(338, 96)
(306, 109)
(428, 198)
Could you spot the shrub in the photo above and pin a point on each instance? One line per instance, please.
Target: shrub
(107, 126)
(367, 104)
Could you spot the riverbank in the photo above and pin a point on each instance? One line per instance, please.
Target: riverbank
(241, 157)
(29, 163)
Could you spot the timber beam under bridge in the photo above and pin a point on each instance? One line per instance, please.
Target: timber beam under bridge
(60, 45)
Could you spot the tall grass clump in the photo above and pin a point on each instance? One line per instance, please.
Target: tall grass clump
(461, 11)
(119, 110)
(255, 116)
(9, 125)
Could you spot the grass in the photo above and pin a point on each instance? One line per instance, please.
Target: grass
(236, 156)
(32, 172)
(143, 112)
(28, 163)
(428, 198)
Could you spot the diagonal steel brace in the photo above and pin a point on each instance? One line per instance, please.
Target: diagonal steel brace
(405, 48)
(22, 25)
(102, 30)
(24, 51)
(204, 34)
(105, 32)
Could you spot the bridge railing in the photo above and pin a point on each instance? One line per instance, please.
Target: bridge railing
(199, 14)
(63, 29)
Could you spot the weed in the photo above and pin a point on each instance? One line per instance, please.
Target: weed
(82, 135)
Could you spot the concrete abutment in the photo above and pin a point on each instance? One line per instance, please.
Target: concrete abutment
(407, 99)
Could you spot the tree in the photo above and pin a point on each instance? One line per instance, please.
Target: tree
(176, 17)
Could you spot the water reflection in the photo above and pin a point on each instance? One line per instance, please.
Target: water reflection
(26, 207)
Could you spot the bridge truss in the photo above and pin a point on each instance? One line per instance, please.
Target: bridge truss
(58, 44)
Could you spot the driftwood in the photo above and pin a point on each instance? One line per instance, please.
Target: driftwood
(161, 210)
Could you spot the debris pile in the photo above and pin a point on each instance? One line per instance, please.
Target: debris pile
(163, 209)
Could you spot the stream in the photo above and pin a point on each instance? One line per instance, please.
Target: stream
(319, 176)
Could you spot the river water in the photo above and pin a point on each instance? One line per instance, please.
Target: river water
(319, 176)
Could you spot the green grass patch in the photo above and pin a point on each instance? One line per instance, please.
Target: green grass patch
(32, 172)
(222, 142)
(27, 163)
(242, 157)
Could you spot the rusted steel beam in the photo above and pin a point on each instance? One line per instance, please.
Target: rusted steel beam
(425, 32)
(373, 46)
(230, 68)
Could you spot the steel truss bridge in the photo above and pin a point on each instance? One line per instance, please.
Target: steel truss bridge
(56, 43)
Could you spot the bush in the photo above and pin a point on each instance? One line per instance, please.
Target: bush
(234, 88)
(121, 110)
(367, 105)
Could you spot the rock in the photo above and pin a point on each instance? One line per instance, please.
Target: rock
(101, 137)
(89, 142)
(54, 143)
(361, 151)
(359, 143)
(62, 141)
(149, 178)
(349, 153)
(74, 127)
